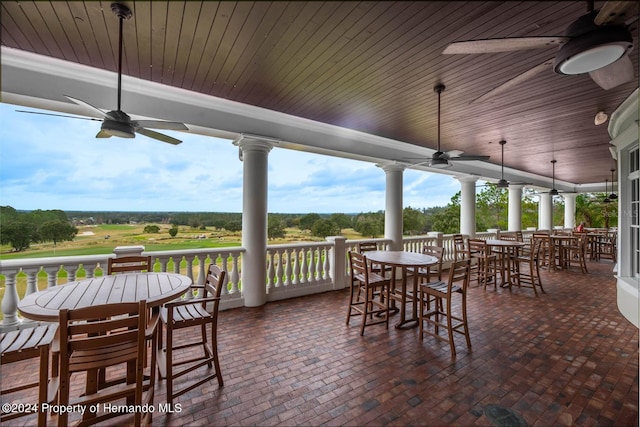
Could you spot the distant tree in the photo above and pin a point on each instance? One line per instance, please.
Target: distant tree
(307, 221)
(233, 226)
(324, 228)
(413, 221)
(341, 220)
(57, 231)
(151, 228)
(447, 220)
(18, 234)
(276, 228)
(491, 208)
(173, 231)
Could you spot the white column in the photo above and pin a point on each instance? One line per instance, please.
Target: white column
(468, 205)
(254, 155)
(515, 207)
(545, 212)
(393, 205)
(569, 210)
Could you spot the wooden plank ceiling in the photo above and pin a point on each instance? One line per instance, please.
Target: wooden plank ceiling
(369, 66)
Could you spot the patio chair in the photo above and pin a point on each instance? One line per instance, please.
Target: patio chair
(606, 246)
(364, 247)
(486, 267)
(579, 250)
(129, 264)
(426, 273)
(373, 310)
(88, 345)
(25, 344)
(460, 250)
(442, 316)
(528, 267)
(191, 313)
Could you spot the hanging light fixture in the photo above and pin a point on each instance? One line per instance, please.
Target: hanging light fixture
(612, 196)
(606, 190)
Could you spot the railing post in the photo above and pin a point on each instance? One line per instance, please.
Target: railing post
(338, 256)
(439, 237)
(121, 251)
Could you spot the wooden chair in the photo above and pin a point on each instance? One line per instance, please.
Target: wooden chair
(192, 313)
(425, 273)
(25, 344)
(460, 250)
(579, 251)
(606, 247)
(547, 252)
(364, 247)
(88, 345)
(528, 267)
(373, 310)
(129, 264)
(442, 316)
(486, 266)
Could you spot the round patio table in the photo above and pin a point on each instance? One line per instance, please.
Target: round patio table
(403, 260)
(155, 288)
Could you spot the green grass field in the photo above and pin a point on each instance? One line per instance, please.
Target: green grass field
(102, 239)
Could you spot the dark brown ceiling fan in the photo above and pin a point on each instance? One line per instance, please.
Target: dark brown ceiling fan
(117, 122)
(597, 43)
(441, 159)
(503, 183)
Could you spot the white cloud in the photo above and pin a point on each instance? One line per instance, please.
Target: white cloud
(57, 163)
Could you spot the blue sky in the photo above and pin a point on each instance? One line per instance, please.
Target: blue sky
(57, 163)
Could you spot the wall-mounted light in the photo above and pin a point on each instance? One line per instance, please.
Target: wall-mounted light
(601, 118)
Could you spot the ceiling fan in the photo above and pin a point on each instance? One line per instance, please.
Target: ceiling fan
(117, 122)
(553, 191)
(597, 43)
(503, 183)
(441, 159)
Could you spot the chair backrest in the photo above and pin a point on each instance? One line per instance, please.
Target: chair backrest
(519, 236)
(367, 246)
(213, 284)
(478, 247)
(459, 273)
(359, 269)
(438, 252)
(129, 264)
(511, 236)
(459, 247)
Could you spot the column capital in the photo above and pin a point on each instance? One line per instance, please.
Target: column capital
(391, 167)
(569, 195)
(514, 187)
(468, 178)
(254, 143)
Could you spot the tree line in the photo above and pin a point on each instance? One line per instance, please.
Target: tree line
(20, 228)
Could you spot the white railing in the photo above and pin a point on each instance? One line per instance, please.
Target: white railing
(292, 269)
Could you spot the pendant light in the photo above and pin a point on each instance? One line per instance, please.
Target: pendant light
(606, 190)
(612, 196)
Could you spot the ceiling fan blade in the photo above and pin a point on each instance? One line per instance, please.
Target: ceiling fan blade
(88, 106)
(515, 81)
(509, 44)
(616, 12)
(159, 124)
(60, 115)
(158, 136)
(463, 158)
(452, 154)
(614, 74)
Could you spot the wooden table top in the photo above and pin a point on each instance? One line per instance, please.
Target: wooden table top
(155, 288)
(401, 258)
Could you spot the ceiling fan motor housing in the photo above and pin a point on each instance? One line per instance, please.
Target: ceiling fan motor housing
(591, 46)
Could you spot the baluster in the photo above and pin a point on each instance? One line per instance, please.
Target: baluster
(202, 271)
(164, 261)
(71, 272)
(90, 270)
(235, 275)
(32, 280)
(176, 264)
(52, 276)
(311, 261)
(327, 264)
(288, 267)
(10, 299)
(270, 270)
(295, 254)
(279, 268)
(304, 264)
(318, 251)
